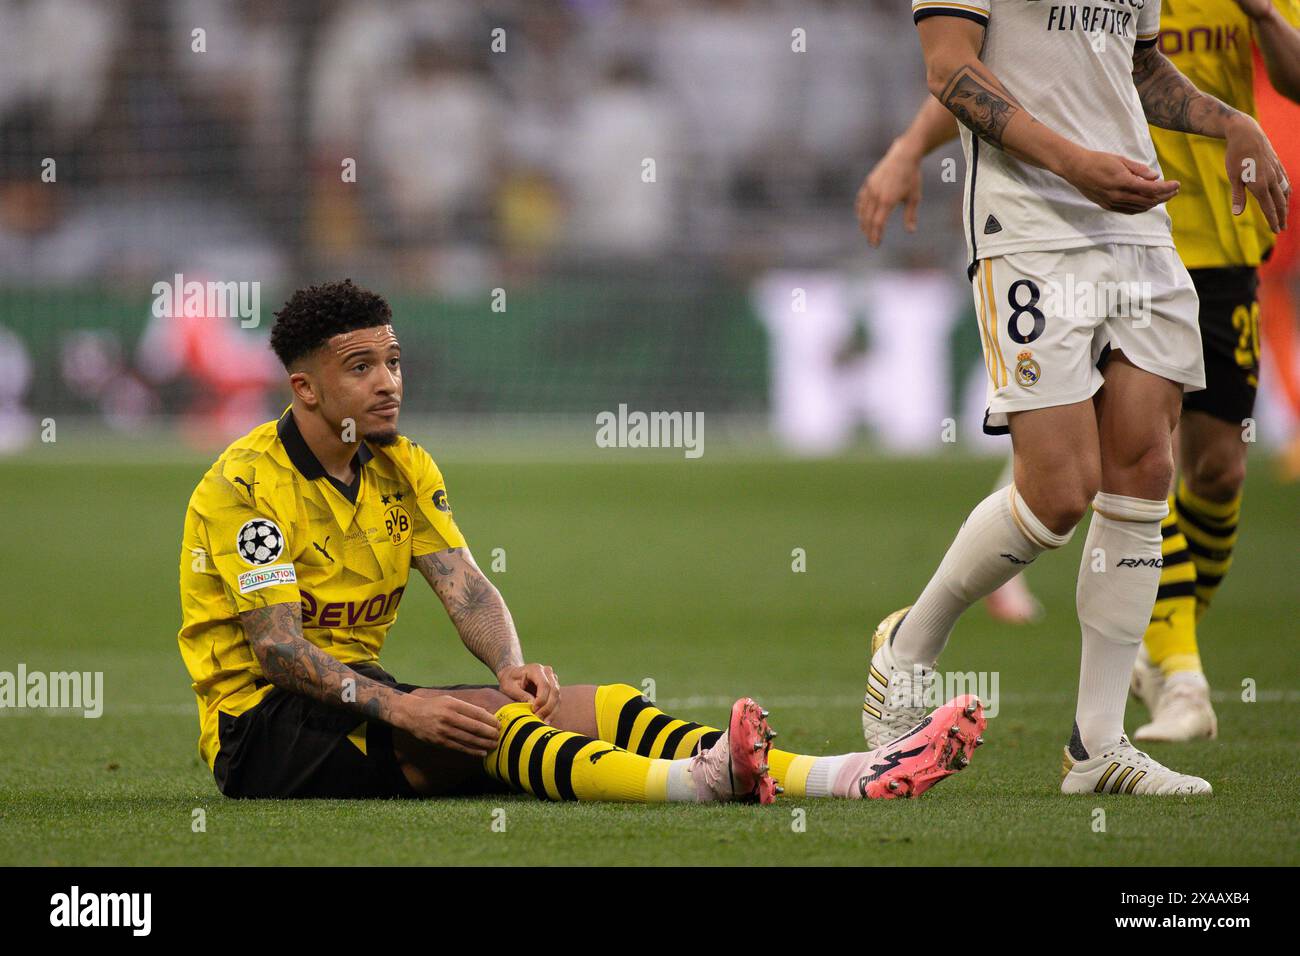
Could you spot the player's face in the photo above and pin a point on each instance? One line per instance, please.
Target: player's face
(361, 376)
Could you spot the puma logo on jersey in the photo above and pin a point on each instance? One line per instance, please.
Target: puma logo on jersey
(247, 485)
(321, 548)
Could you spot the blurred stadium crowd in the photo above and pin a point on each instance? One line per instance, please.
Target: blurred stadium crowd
(475, 151)
(649, 180)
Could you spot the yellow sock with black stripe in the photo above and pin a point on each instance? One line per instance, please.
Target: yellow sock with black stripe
(555, 764)
(626, 719)
(1211, 531)
(1170, 637)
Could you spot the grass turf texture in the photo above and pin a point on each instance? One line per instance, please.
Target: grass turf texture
(670, 570)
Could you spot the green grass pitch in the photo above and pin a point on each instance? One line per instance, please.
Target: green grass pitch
(622, 569)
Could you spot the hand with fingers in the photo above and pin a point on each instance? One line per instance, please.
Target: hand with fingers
(1253, 166)
(1116, 183)
(894, 181)
(450, 722)
(535, 684)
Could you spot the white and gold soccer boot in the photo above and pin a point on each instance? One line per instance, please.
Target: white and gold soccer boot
(1125, 769)
(896, 696)
(1182, 711)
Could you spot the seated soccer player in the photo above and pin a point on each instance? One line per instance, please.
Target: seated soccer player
(297, 548)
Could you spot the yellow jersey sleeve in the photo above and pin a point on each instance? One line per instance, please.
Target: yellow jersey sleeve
(247, 543)
(435, 528)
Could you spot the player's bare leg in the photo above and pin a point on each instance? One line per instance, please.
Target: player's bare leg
(440, 771)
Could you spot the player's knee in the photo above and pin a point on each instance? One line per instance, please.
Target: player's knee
(1062, 506)
(1217, 475)
(1146, 472)
(1061, 502)
(1153, 472)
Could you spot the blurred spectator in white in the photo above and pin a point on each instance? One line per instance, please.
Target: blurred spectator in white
(17, 425)
(729, 63)
(55, 55)
(245, 71)
(435, 138)
(616, 127)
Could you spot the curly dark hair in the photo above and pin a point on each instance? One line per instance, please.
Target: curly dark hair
(317, 313)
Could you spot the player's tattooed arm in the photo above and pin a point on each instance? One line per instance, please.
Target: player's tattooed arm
(1171, 101)
(980, 104)
(965, 86)
(291, 662)
(475, 607)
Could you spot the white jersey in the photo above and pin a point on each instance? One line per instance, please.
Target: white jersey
(1070, 65)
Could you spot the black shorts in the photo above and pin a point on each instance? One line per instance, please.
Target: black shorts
(1230, 341)
(290, 746)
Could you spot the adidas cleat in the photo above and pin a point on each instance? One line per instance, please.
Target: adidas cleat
(1183, 711)
(1148, 681)
(1123, 769)
(895, 699)
(939, 746)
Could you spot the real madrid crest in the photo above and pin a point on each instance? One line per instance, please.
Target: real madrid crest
(1027, 371)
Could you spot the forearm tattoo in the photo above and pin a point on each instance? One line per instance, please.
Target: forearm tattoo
(475, 607)
(1171, 101)
(292, 662)
(978, 106)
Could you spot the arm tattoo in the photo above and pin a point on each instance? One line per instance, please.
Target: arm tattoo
(475, 607)
(1171, 101)
(295, 664)
(977, 105)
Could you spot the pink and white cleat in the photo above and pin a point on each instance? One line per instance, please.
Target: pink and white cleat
(735, 768)
(937, 747)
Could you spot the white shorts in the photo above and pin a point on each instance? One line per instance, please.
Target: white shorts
(1047, 319)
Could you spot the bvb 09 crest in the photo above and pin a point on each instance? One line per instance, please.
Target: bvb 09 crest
(397, 524)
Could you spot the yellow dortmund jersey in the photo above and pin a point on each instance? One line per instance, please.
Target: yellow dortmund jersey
(1210, 42)
(267, 525)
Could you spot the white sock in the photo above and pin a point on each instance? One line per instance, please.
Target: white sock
(821, 778)
(681, 789)
(995, 543)
(1118, 578)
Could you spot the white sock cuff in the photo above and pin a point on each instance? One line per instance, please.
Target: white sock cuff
(1032, 528)
(1123, 508)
